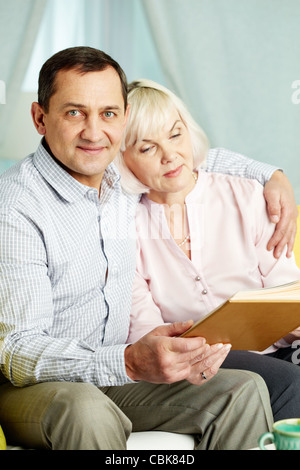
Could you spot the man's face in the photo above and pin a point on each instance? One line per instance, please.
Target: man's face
(85, 122)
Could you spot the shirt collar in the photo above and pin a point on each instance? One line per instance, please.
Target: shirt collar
(63, 183)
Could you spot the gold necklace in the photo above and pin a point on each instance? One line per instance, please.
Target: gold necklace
(187, 238)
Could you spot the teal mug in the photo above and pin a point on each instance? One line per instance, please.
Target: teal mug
(285, 435)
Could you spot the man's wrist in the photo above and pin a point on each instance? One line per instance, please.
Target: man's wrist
(278, 174)
(129, 362)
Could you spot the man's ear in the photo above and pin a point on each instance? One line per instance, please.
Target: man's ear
(37, 114)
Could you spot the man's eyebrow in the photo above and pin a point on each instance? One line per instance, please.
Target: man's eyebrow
(82, 106)
(72, 105)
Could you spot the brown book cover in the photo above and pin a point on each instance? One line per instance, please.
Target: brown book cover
(252, 320)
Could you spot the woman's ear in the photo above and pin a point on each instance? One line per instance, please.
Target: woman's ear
(37, 114)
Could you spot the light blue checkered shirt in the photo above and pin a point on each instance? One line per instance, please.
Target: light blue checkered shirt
(67, 261)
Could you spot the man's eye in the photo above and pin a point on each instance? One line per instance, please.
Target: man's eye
(74, 112)
(109, 114)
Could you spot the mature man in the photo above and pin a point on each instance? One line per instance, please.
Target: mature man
(67, 261)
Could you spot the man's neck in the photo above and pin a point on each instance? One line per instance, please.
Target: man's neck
(48, 149)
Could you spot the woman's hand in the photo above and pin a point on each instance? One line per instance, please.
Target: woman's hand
(208, 365)
(283, 212)
(292, 336)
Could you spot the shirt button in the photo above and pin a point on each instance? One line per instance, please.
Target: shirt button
(91, 194)
(204, 291)
(197, 278)
(112, 379)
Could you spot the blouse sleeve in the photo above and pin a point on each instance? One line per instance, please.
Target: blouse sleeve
(273, 271)
(145, 314)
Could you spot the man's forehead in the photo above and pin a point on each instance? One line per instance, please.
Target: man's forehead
(78, 77)
(74, 86)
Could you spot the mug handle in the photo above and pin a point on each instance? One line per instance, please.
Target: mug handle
(263, 438)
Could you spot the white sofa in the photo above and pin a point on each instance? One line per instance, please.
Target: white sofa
(157, 440)
(153, 440)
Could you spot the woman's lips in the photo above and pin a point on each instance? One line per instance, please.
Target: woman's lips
(174, 173)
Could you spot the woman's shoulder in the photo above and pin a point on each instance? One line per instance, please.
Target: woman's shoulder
(232, 183)
(230, 190)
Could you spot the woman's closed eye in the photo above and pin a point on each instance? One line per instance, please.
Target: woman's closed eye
(147, 149)
(175, 135)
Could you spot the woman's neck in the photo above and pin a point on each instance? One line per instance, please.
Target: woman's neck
(173, 198)
(176, 215)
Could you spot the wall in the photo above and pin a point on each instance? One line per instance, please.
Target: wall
(22, 137)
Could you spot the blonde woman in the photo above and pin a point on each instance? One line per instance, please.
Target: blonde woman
(201, 236)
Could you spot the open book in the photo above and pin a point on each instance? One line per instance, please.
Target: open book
(253, 319)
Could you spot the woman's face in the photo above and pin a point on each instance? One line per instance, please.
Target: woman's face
(163, 162)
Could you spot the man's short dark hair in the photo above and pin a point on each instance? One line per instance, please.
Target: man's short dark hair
(83, 59)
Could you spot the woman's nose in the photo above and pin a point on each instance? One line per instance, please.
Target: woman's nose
(168, 154)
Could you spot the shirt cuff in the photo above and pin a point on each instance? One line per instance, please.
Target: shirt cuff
(110, 366)
(262, 172)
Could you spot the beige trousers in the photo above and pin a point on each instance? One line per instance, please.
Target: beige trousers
(230, 411)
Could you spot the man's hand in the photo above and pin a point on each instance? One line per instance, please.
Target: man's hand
(163, 357)
(283, 212)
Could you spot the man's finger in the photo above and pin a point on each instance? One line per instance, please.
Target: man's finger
(274, 208)
(173, 329)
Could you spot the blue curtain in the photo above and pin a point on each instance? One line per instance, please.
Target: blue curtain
(19, 24)
(234, 62)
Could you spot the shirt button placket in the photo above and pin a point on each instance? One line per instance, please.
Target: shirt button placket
(197, 279)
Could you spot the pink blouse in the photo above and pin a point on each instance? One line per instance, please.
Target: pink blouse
(229, 231)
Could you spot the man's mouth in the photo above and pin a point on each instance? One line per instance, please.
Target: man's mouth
(90, 150)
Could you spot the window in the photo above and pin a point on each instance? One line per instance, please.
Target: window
(118, 27)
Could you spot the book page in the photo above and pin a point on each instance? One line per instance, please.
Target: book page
(287, 292)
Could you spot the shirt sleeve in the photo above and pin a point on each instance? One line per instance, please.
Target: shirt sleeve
(28, 352)
(220, 160)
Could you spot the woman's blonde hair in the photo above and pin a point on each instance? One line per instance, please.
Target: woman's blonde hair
(150, 108)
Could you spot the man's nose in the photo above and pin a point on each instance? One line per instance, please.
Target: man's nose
(94, 129)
